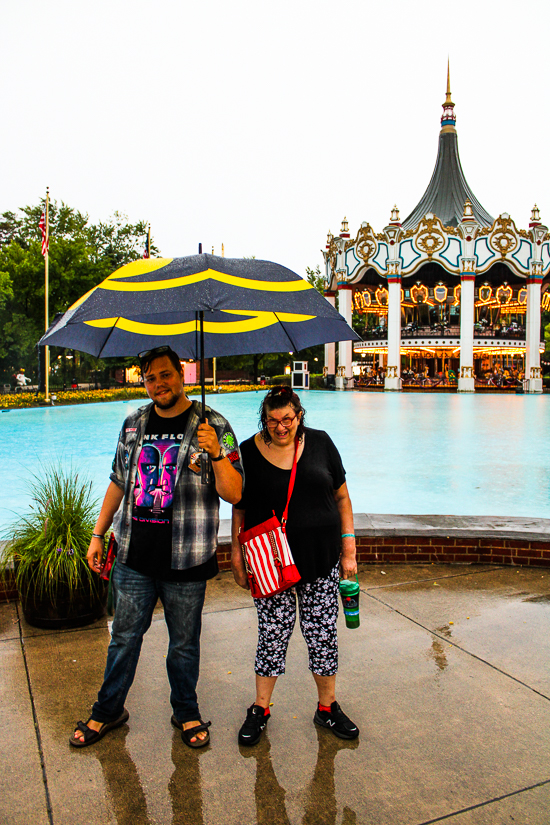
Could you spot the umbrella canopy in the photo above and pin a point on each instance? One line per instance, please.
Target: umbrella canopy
(248, 306)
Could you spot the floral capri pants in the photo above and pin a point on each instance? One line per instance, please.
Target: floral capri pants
(318, 605)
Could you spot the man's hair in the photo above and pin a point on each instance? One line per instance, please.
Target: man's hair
(278, 397)
(160, 352)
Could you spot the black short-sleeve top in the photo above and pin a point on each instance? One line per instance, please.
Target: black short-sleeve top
(313, 527)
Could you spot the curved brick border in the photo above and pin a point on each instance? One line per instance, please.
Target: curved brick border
(414, 550)
(413, 539)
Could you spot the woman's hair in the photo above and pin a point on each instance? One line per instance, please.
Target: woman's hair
(277, 398)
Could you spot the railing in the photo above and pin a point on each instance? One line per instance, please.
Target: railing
(441, 331)
(512, 332)
(435, 331)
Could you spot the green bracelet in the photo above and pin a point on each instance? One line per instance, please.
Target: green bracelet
(348, 535)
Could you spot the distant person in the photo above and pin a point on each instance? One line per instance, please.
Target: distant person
(21, 380)
(166, 527)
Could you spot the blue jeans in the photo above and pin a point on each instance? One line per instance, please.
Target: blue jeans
(135, 598)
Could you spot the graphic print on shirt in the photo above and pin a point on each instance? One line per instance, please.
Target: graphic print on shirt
(156, 478)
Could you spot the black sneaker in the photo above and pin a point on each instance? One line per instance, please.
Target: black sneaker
(255, 722)
(335, 719)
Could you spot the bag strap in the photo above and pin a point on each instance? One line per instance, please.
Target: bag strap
(291, 482)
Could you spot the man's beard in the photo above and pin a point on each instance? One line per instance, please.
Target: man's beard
(166, 404)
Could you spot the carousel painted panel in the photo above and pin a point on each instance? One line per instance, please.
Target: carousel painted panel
(451, 255)
(380, 259)
(545, 257)
(523, 255)
(408, 254)
(484, 255)
(352, 262)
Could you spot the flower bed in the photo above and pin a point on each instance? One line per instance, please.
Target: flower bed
(22, 400)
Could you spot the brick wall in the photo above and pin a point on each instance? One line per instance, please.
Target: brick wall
(422, 550)
(414, 550)
(419, 550)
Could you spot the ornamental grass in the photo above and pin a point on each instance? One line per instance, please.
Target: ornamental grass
(48, 545)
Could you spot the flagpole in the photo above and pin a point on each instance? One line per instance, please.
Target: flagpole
(214, 363)
(46, 297)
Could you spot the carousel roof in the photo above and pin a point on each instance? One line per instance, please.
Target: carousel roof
(448, 189)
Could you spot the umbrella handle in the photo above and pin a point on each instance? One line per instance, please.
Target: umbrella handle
(206, 468)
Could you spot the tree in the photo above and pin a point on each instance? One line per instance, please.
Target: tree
(81, 255)
(316, 279)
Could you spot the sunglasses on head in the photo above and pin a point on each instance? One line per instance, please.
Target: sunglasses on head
(155, 351)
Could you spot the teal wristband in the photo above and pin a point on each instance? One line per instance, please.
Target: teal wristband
(348, 535)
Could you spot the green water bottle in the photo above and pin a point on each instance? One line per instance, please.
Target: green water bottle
(349, 591)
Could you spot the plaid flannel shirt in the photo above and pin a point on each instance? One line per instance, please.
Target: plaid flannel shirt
(195, 510)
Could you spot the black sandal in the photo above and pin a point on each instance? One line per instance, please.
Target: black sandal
(188, 734)
(91, 736)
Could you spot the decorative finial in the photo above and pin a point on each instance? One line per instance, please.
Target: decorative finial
(535, 216)
(468, 213)
(448, 98)
(344, 230)
(395, 216)
(448, 118)
(329, 238)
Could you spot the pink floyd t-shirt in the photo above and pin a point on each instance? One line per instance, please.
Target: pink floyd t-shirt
(150, 550)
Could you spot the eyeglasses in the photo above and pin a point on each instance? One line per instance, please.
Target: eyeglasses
(286, 422)
(155, 351)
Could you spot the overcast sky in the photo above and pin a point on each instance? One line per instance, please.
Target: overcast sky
(260, 125)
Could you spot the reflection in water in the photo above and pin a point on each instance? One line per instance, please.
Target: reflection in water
(320, 796)
(122, 780)
(270, 796)
(185, 785)
(437, 653)
(320, 808)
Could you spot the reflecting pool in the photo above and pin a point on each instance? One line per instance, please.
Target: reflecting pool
(446, 454)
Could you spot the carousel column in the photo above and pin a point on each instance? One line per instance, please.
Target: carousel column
(344, 375)
(393, 371)
(330, 349)
(466, 381)
(533, 377)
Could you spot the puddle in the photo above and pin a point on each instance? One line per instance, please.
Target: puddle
(544, 599)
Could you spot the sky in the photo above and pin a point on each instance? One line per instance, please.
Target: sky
(262, 125)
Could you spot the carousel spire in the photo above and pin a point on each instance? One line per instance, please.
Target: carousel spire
(448, 189)
(448, 118)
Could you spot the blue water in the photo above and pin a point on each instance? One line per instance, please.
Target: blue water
(404, 453)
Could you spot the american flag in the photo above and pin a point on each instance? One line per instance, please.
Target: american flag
(45, 240)
(146, 251)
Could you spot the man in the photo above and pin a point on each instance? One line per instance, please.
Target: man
(21, 380)
(166, 524)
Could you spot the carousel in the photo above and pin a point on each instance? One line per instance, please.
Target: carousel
(448, 298)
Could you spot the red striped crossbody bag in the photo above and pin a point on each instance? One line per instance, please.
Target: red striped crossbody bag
(267, 556)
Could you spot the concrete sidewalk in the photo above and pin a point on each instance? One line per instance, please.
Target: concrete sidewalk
(448, 678)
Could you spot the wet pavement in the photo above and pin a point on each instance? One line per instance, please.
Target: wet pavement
(448, 678)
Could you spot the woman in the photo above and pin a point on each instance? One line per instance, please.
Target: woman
(320, 535)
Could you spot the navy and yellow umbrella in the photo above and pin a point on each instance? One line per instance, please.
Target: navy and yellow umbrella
(202, 306)
(243, 306)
